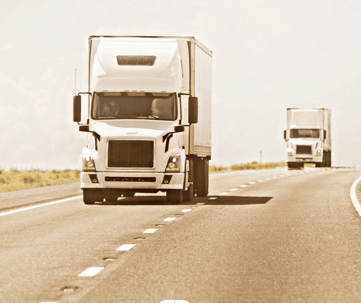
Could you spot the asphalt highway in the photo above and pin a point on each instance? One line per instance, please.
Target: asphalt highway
(260, 236)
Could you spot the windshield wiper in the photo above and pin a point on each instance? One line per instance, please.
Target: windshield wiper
(148, 117)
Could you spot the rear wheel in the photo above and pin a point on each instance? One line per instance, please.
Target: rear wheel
(201, 179)
(175, 196)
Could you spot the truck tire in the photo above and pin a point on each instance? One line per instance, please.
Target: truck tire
(111, 198)
(189, 193)
(295, 165)
(90, 196)
(175, 196)
(201, 177)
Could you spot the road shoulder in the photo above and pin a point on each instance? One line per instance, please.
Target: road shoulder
(27, 197)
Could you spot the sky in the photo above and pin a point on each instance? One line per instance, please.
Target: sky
(268, 55)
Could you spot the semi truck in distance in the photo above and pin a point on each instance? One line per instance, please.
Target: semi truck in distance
(148, 118)
(308, 137)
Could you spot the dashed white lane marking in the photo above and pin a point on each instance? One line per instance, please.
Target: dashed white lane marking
(150, 231)
(186, 210)
(125, 247)
(91, 272)
(37, 206)
(260, 180)
(275, 177)
(282, 175)
(252, 182)
(234, 189)
(169, 219)
(243, 185)
(268, 178)
(223, 194)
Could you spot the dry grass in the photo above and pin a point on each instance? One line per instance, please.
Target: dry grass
(16, 180)
(248, 166)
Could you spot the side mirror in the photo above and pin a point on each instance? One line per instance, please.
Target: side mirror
(324, 134)
(77, 108)
(84, 128)
(192, 110)
(284, 134)
(179, 128)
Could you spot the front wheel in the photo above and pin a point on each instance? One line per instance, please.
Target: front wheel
(175, 196)
(90, 196)
(188, 194)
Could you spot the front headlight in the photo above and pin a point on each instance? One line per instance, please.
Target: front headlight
(88, 164)
(174, 164)
(319, 148)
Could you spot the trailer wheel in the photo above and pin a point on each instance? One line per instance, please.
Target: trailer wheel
(175, 196)
(89, 196)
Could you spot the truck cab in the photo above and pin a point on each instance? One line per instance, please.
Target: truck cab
(308, 137)
(146, 130)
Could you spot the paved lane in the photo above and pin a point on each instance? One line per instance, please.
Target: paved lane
(269, 236)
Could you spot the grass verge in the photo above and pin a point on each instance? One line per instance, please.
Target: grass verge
(248, 166)
(16, 180)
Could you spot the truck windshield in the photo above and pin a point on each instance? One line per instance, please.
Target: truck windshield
(305, 133)
(160, 106)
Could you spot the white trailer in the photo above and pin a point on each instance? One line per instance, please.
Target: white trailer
(149, 118)
(308, 137)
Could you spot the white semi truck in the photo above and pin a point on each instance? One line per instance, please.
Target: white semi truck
(308, 137)
(148, 119)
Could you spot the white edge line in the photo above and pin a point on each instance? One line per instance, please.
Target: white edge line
(353, 196)
(36, 206)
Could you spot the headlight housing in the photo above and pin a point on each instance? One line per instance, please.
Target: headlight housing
(174, 164)
(289, 149)
(88, 163)
(319, 149)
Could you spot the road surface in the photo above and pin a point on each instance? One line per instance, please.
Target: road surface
(260, 236)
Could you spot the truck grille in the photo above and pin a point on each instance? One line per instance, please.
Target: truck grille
(130, 153)
(304, 149)
(130, 179)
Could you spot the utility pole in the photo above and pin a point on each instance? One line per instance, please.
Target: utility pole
(260, 156)
(75, 84)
